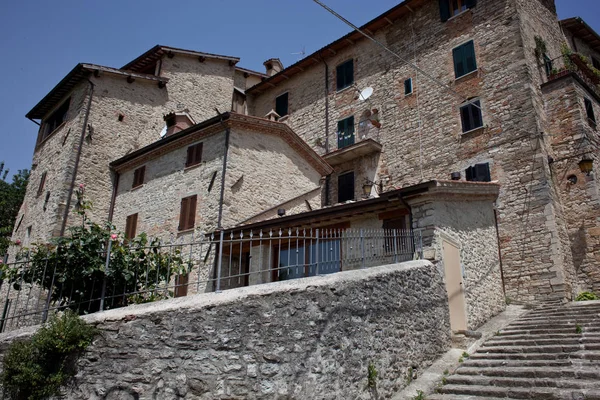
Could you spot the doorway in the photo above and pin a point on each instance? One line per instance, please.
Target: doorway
(454, 285)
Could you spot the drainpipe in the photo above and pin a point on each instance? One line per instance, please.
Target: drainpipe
(77, 159)
(220, 219)
(499, 252)
(113, 197)
(328, 177)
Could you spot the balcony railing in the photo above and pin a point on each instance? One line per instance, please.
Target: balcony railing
(344, 146)
(566, 64)
(214, 262)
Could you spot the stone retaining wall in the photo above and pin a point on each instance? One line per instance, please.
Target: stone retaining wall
(304, 339)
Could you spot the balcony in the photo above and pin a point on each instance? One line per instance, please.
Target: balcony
(572, 64)
(350, 145)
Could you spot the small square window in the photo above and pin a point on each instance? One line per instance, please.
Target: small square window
(408, 87)
(187, 215)
(55, 119)
(345, 75)
(346, 132)
(451, 8)
(138, 176)
(470, 115)
(479, 173)
(194, 155)
(596, 63)
(464, 59)
(589, 109)
(346, 187)
(281, 105)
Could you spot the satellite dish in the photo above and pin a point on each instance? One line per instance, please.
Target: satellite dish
(163, 132)
(365, 93)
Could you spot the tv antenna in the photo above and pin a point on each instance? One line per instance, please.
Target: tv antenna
(301, 53)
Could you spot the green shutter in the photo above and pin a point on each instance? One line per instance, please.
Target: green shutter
(459, 65)
(469, 54)
(445, 10)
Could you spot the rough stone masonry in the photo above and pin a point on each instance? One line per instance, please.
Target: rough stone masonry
(311, 338)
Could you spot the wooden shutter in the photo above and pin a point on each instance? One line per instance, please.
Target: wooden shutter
(190, 156)
(187, 216)
(465, 118)
(131, 226)
(181, 285)
(459, 64)
(198, 154)
(470, 174)
(340, 76)
(138, 176)
(476, 117)
(470, 62)
(445, 10)
(42, 183)
(194, 155)
(482, 173)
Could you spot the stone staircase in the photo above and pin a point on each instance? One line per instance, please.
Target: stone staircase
(550, 353)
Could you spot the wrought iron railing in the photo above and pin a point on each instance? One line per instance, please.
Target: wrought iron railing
(218, 261)
(555, 68)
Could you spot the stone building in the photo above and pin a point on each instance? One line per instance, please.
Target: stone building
(465, 95)
(97, 114)
(475, 90)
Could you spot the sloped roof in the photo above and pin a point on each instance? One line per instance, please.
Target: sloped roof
(216, 125)
(583, 31)
(154, 54)
(385, 19)
(81, 71)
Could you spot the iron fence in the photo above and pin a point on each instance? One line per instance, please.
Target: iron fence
(555, 68)
(33, 286)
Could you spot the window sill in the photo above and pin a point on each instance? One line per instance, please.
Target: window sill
(58, 128)
(472, 131)
(191, 167)
(460, 14)
(137, 187)
(408, 94)
(344, 89)
(186, 231)
(284, 118)
(469, 74)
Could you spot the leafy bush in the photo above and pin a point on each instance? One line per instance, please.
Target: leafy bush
(586, 296)
(73, 268)
(39, 367)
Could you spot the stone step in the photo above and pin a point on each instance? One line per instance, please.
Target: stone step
(564, 311)
(562, 335)
(565, 363)
(545, 331)
(543, 341)
(552, 324)
(520, 393)
(566, 348)
(439, 396)
(578, 317)
(580, 355)
(585, 373)
(563, 314)
(501, 381)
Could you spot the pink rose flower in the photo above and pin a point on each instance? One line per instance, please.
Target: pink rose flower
(17, 242)
(81, 186)
(113, 236)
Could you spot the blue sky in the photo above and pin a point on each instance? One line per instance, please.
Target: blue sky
(41, 41)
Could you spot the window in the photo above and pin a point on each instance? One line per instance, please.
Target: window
(451, 8)
(346, 187)
(470, 116)
(281, 105)
(408, 87)
(595, 63)
(138, 177)
(464, 59)
(42, 183)
(55, 119)
(589, 109)
(345, 74)
(194, 155)
(187, 215)
(548, 65)
(181, 285)
(479, 173)
(346, 132)
(131, 226)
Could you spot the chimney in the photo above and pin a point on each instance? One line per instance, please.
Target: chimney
(273, 66)
(177, 122)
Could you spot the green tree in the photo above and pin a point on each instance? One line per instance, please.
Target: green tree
(11, 197)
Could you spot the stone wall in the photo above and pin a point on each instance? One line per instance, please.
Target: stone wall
(572, 136)
(309, 338)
